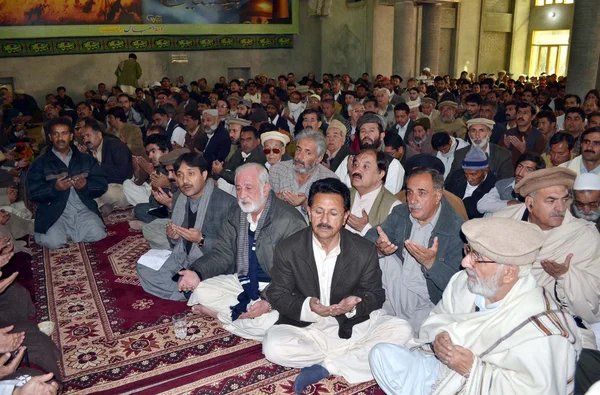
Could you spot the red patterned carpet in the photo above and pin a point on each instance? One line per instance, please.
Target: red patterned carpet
(117, 339)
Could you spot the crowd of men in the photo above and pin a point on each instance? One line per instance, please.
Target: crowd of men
(440, 236)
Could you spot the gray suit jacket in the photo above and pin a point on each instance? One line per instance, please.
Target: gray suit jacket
(500, 161)
(281, 221)
(294, 277)
(450, 251)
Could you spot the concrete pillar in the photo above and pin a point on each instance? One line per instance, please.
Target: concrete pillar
(405, 23)
(584, 48)
(430, 37)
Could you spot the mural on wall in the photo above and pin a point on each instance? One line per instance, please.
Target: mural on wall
(77, 18)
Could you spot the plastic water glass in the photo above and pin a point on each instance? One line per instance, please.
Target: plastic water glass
(180, 325)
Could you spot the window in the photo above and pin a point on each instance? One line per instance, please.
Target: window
(541, 3)
(549, 52)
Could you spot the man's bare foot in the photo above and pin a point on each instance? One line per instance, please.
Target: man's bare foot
(199, 309)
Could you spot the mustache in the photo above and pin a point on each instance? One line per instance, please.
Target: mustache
(415, 207)
(589, 150)
(520, 119)
(186, 186)
(324, 226)
(357, 175)
(557, 214)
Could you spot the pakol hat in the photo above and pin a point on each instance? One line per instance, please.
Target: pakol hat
(481, 121)
(545, 178)
(494, 238)
(172, 156)
(273, 135)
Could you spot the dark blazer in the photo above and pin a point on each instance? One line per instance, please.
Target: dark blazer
(282, 220)
(339, 157)
(256, 156)
(218, 146)
(117, 162)
(447, 229)
(294, 277)
(457, 184)
(500, 161)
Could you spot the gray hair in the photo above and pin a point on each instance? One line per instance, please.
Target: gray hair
(316, 136)
(261, 171)
(436, 176)
(352, 105)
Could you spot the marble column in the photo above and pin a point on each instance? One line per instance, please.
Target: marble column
(430, 37)
(405, 25)
(584, 48)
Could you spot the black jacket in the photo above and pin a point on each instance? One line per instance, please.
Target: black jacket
(41, 185)
(116, 160)
(457, 184)
(218, 146)
(294, 277)
(256, 156)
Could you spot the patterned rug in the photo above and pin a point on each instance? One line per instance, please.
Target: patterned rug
(117, 339)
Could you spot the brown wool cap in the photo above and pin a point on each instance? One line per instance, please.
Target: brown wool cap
(495, 239)
(450, 103)
(545, 178)
(481, 121)
(170, 158)
(240, 121)
(335, 124)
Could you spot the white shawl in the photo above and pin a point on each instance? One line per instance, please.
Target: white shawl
(579, 288)
(526, 345)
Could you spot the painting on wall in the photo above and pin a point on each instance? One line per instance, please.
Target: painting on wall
(84, 18)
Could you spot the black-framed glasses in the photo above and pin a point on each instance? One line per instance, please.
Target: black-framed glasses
(468, 250)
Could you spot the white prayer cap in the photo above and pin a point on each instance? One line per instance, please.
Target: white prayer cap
(426, 69)
(587, 182)
(274, 135)
(212, 112)
(413, 104)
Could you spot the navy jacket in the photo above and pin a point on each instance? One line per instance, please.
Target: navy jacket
(41, 185)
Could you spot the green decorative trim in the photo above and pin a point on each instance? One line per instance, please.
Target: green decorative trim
(86, 45)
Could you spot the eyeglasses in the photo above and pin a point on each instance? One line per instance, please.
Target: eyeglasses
(468, 250)
(267, 151)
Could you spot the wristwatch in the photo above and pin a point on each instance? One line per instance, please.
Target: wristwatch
(201, 242)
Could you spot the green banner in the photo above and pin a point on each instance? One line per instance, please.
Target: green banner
(88, 45)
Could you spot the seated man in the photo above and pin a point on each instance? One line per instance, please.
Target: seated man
(274, 144)
(503, 194)
(568, 265)
(326, 286)
(500, 159)
(227, 283)
(370, 202)
(291, 180)
(586, 200)
(472, 182)
(115, 161)
(138, 190)
(250, 151)
(218, 145)
(422, 244)
(197, 214)
(494, 332)
(64, 182)
(129, 133)
(157, 213)
(371, 132)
